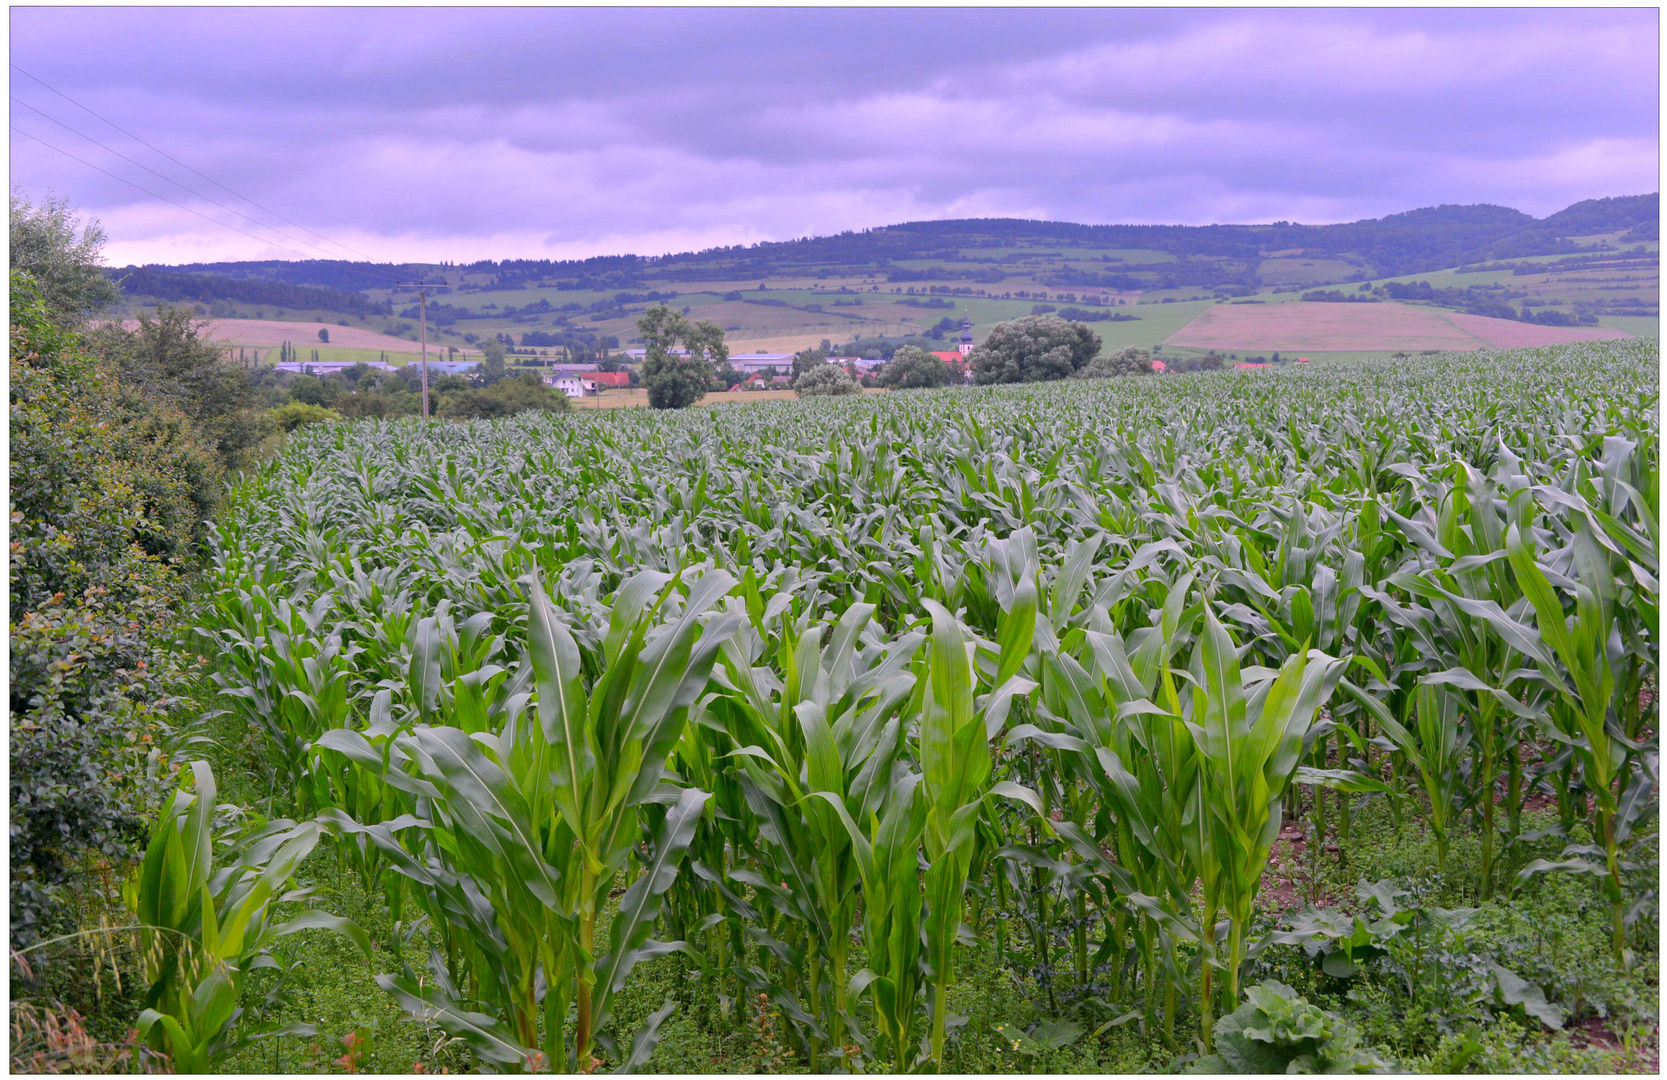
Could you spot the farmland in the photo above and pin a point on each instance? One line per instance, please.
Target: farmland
(1072, 726)
(1342, 327)
(880, 286)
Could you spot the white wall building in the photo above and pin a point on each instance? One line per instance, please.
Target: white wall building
(327, 367)
(753, 363)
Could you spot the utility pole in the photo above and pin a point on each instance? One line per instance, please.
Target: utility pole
(422, 288)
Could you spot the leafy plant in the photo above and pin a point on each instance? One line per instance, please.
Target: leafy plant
(1276, 1031)
(203, 929)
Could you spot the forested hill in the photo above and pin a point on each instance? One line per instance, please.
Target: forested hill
(971, 249)
(174, 286)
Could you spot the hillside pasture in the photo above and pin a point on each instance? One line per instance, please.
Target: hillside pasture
(1301, 271)
(1361, 327)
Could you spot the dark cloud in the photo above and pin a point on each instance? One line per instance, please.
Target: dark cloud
(456, 133)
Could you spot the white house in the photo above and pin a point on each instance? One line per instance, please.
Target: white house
(328, 367)
(753, 363)
(572, 385)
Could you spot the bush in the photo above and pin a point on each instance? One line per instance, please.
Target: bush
(1129, 361)
(829, 380)
(109, 496)
(506, 397)
(296, 415)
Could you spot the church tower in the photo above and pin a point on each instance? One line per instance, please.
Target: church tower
(966, 336)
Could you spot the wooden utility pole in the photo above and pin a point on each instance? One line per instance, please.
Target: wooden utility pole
(422, 288)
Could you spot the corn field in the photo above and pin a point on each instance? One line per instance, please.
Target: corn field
(812, 698)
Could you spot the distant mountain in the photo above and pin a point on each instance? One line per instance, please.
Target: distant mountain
(980, 250)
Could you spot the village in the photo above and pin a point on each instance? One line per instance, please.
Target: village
(758, 370)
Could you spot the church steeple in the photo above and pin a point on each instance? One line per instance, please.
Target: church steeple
(966, 336)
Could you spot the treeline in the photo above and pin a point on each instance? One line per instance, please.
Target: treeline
(175, 287)
(1479, 300)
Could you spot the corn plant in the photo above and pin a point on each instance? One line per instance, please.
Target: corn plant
(1249, 732)
(831, 730)
(1575, 661)
(532, 826)
(203, 928)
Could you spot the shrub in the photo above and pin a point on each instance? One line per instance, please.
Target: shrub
(109, 495)
(506, 397)
(295, 415)
(829, 380)
(1129, 361)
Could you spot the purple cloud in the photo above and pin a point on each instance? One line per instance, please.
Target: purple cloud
(463, 134)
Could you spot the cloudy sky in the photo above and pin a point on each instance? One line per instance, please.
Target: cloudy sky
(412, 133)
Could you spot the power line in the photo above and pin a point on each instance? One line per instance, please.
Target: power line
(176, 183)
(188, 168)
(153, 194)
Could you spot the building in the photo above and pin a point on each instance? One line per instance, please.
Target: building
(957, 362)
(966, 336)
(754, 363)
(328, 367)
(449, 367)
(588, 383)
(1159, 365)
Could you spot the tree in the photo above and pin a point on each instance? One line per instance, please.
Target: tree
(324, 335)
(68, 270)
(169, 358)
(1036, 348)
(912, 367)
(1129, 361)
(492, 362)
(678, 380)
(828, 380)
(807, 360)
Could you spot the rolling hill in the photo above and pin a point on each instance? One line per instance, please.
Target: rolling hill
(1594, 260)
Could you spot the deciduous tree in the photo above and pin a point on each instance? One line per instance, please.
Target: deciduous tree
(1033, 349)
(678, 380)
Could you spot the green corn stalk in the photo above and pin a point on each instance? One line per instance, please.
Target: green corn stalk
(202, 928)
(1250, 739)
(1124, 725)
(888, 861)
(834, 731)
(1434, 750)
(1575, 661)
(953, 748)
(542, 817)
